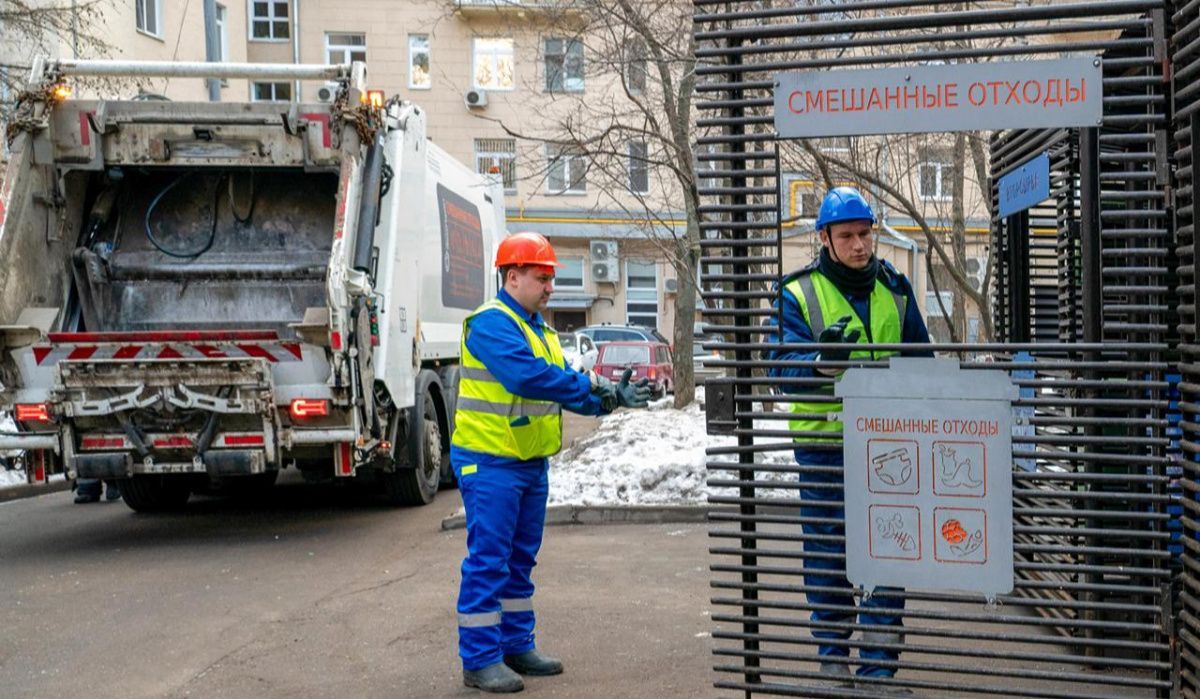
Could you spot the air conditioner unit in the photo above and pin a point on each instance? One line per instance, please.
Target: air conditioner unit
(327, 92)
(976, 268)
(604, 261)
(671, 286)
(476, 99)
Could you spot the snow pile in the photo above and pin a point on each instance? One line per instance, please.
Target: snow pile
(15, 476)
(653, 457)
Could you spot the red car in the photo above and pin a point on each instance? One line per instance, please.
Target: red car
(651, 360)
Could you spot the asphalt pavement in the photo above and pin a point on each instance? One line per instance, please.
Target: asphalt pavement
(316, 591)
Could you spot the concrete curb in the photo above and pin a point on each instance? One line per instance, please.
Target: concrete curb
(20, 492)
(610, 514)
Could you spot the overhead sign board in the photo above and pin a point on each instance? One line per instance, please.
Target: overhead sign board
(928, 476)
(1064, 92)
(1026, 186)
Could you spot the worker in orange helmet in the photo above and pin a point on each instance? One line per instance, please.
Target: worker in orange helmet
(508, 422)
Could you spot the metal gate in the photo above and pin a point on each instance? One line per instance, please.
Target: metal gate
(1092, 613)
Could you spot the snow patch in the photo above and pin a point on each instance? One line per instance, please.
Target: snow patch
(655, 457)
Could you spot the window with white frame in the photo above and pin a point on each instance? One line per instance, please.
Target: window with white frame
(269, 20)
(492, 64)
(704, 167)
(639, 168)
(805, 200)
(222, 36)
(341, 47)
(636, 68)
(564, 65)
(271, 92)
(566, 170)
(931, 181)
(498, 157)
(641, 293)
(570, 275)
(419, 77)
(149, 16)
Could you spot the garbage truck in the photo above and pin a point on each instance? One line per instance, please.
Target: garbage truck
(197, 295)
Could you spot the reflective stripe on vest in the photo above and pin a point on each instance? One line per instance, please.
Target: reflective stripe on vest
(489, 419)
(822, 305)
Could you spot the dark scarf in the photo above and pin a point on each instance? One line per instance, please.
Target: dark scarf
(859, 282)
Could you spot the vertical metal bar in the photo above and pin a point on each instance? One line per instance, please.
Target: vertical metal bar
(1020, 322)
(1089, 233)
(738, 182)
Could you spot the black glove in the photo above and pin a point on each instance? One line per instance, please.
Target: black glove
(837, 333)
(633, 395)
(605, 390)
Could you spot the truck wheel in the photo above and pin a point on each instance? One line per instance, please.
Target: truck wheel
(155, 493)
(417, 483)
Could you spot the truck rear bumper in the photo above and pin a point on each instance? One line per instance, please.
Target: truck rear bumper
(219, 464)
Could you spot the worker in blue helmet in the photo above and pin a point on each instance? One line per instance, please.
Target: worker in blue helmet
(847, 295)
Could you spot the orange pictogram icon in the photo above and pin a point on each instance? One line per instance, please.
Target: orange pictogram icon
(953, 532)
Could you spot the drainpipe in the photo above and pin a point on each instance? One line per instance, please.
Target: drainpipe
(212, 47)
(296, 46)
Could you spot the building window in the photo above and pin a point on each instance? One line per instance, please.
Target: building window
(805, 200)
(636, 69)
(345, 48)
(705, 167)
(570, 275)
(493, 64)
(498, 157)
(269, 21)
(564, 65)
(149, 16)
(639, 168)
(641, 293)
(931, 184)
(566, 170)
(271, 92)
(222, 36)
(834, 145)
(418, 62)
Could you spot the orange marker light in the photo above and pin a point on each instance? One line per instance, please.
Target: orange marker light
(33, 412)
(62, 92)
(309, 407)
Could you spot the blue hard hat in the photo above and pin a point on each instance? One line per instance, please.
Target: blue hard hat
(844, 204)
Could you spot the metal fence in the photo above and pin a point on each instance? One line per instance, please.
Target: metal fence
(1088, 298)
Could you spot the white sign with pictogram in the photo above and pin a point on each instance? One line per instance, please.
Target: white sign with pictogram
(928, 476)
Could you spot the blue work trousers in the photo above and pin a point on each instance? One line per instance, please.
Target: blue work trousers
(506, 512)
(825, 488)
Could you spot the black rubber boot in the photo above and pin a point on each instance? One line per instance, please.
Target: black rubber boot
(495, 678)
(112, 491)
(534, 663)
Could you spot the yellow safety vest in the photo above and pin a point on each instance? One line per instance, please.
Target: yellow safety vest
(823, 305)
(493, 421)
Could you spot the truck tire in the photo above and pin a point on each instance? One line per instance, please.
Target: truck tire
(416, 483)
(155, 493)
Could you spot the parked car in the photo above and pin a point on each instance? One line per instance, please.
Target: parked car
(701, 356)
(607, 332)
(651, 360)
(579, 350)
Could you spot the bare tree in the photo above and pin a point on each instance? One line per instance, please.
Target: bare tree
(630, 131)
(33, 28)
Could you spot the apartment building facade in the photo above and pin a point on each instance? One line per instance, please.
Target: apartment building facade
(488, 72)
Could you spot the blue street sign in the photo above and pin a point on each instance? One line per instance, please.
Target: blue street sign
(1026, 186)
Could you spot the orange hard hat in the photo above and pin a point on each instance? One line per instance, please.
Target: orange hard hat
(527, 248)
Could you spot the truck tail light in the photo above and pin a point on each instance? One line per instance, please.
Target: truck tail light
(309, 407)
(33, 412)
(653, 373)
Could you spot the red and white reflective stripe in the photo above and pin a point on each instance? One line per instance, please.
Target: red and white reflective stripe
(230, 440)
(271, 351)
(343, 460)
